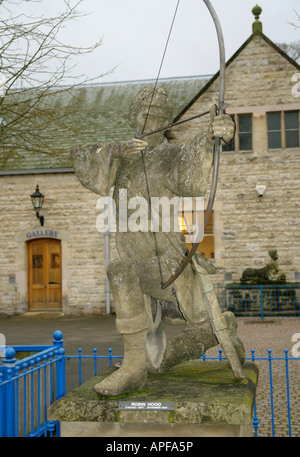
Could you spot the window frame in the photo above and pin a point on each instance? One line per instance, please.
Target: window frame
(231, 147)
(276, 130)
(236, 139)
(210, 226)
(239, 116)
(290, 130)
(283, 129)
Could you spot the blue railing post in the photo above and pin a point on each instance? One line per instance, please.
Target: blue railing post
(60, 376)
(24, 366)
(288, 390)
(255, 418)
(2, 403)
(95, 362)
(79, 365)
(261, 301)
(60, 379)
(17, 402)
(271, 390)
(8, 364)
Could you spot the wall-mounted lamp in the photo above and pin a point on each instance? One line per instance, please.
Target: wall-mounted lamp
(37, 202)
(260, 190)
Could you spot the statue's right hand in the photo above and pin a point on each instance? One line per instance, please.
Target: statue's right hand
(132, 148)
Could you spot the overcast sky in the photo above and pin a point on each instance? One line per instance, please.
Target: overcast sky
(134, 33)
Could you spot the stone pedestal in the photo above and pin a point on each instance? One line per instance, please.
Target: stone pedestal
(203, 398)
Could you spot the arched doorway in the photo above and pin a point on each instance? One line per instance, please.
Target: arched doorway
(44, 275)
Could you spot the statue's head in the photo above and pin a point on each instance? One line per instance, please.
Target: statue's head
(160, 102)
(273, 254)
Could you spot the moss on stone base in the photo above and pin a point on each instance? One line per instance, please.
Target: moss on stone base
(203, 392)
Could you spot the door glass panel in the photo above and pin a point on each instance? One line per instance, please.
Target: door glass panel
(54, 264)
(37, 264)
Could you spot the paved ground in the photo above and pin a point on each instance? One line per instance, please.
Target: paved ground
(88, 333)
(275, 334)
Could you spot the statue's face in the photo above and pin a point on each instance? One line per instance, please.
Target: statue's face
(144, 119)
(156, 118)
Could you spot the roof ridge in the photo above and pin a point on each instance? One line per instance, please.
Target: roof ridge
(228, 62)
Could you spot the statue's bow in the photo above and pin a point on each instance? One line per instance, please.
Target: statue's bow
(216, 147)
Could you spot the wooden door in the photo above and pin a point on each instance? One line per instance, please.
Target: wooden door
(44, 274)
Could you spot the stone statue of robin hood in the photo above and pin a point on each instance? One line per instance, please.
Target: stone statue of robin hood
(135, 277)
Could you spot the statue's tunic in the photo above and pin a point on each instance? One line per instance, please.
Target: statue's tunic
(172, 171)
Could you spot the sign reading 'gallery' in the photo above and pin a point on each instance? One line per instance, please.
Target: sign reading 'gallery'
(41, 233)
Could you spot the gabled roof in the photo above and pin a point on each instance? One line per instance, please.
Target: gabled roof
(101, 116)
(234, 56)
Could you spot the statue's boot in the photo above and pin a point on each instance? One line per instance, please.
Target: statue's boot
(132, 375)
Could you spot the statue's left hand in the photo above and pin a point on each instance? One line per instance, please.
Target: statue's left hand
(223, 127)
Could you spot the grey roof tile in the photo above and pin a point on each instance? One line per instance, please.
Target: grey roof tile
(100, 114)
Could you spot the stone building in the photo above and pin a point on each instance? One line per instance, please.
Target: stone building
(62, 264)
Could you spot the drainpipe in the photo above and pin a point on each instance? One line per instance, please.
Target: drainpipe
(107, 256)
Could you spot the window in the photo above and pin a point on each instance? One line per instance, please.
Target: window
(206, 247)
(245, 132)
(231, 145)
(283, 129)
(274, 130)
(291, 122)
(242, 140)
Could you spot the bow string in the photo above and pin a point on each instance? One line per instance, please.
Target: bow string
(217, 146)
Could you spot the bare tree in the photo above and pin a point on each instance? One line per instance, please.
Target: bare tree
(291, 49)
(35, 67)
(298, 19)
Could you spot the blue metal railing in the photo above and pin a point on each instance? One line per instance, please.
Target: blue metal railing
(29, 386)
(269, 300)
(95, 357)
(270, 358)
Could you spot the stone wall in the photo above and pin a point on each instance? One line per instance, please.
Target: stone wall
(70, 210)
